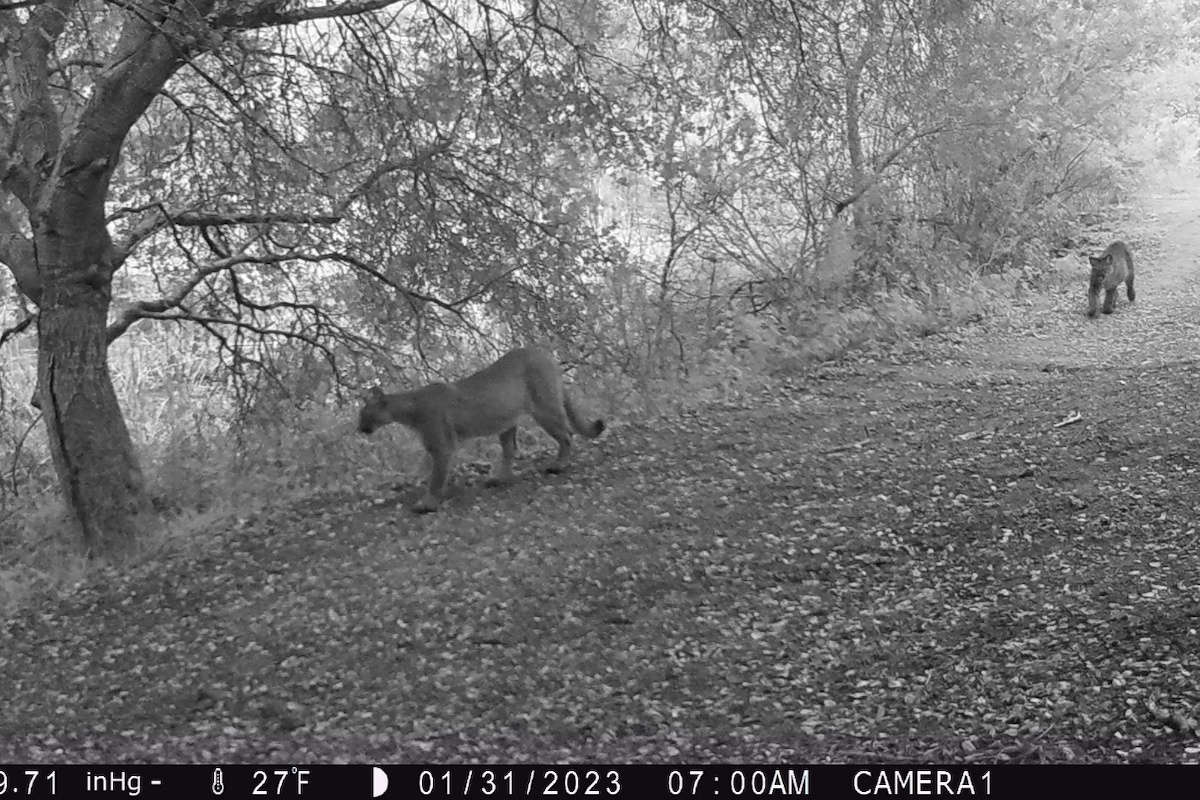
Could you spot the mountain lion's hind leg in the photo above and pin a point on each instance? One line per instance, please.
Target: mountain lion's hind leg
(556, 425)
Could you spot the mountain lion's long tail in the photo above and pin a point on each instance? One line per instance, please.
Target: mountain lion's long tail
(588, 428)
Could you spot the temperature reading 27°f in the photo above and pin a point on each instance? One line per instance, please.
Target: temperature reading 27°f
(280, 782)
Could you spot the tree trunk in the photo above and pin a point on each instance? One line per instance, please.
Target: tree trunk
(92, 451)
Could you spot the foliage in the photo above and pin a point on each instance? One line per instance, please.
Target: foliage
(680, 196)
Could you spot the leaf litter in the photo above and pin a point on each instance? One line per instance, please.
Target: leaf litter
(943, 552)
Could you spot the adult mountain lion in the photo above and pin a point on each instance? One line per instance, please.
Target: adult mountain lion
(1112, 267)
(524, 381)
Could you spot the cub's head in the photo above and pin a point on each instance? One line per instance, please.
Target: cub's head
(1100, 263)
(374, 413)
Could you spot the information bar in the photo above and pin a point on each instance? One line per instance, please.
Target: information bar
(441, 782)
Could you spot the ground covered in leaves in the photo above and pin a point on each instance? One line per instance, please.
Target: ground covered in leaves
(983, 547)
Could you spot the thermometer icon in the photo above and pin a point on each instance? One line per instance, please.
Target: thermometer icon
(218, 786)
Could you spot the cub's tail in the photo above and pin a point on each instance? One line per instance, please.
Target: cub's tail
(584, 427)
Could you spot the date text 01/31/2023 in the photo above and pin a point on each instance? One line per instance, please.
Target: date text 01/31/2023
(611, 781)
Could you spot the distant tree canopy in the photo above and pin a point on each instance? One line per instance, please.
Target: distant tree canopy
(353, 179)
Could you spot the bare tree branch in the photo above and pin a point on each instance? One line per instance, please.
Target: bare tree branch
(269, 14)
(159, 217)
(34, 136)
(141, 230)
(14, 176)
(881, 167)
(358, 264)
(16, 329)
(147, 53)
(415, 164)
(16, 250)
(147, 308)
(198, 219)
(155, 309)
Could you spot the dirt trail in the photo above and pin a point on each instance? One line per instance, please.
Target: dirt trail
(1052, 332)
(886, 560)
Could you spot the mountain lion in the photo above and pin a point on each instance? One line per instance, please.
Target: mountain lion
(1114, 266)
(524, 381)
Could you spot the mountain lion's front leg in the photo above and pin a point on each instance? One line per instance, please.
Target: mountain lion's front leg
(440, 444)
(503, 471)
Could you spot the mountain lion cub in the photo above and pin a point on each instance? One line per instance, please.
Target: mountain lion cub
(525, 381)
(1112, 267)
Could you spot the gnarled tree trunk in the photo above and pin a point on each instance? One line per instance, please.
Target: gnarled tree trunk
(90, 444)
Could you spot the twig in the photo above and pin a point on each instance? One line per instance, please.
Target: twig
(12, 473)
(15, 329)
(1070, 419)
(852, 446)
